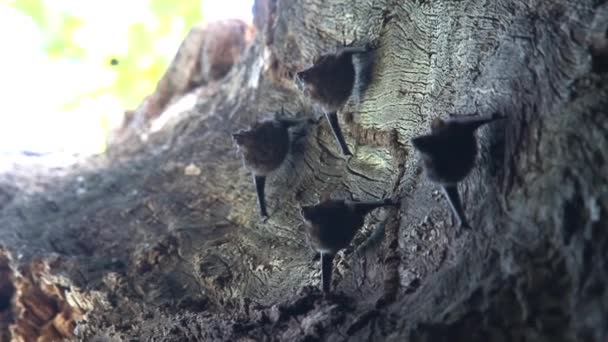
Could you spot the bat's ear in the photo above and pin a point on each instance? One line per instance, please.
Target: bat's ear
(306, 212)
(239, 137)
(303, 76)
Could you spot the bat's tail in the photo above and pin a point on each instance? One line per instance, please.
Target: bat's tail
(327, 264)
(260, 182)
(332, 117)
(451, 194)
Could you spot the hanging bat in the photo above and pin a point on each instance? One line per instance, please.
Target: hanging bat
(449, 153)
(331, 226)
(264, 147)
(330, 82)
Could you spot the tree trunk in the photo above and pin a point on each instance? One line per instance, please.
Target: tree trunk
(161, 239)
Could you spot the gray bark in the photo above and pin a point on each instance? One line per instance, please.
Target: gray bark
(138, 249)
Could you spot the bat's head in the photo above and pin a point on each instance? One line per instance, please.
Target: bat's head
(258, 131)
(308, 213)
(438, 124)
(243, 138)
(314, 213)
(309, 78)
(306, 79)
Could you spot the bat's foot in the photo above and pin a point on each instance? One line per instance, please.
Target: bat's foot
(264, 217)
(498, 116)
(392, 202)
(314, 121)
(370, 46)
(327, 295)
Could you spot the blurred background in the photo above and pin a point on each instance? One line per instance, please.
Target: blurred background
(70, 68)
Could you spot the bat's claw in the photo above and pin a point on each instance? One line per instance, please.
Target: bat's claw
(264, 217)
(369, 46)
(390, 201)
(498, 116)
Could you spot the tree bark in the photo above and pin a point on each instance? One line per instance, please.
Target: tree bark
(161, 239)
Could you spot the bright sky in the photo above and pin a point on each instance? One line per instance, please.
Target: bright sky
(33, 88)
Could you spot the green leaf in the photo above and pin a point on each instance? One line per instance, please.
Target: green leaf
(137, 70)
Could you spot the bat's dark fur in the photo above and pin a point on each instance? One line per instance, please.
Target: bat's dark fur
(449, 154)
(331, 226)
(330, 82)
(264, 147)
(599, 52)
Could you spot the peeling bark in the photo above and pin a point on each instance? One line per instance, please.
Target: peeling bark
(142, 247)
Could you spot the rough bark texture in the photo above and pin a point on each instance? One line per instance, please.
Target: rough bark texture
(160, 240)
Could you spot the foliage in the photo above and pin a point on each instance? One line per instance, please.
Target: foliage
(137, 69)
(122, 47)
